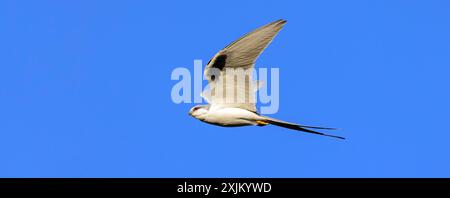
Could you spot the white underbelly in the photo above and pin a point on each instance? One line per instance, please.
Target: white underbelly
(231, 117)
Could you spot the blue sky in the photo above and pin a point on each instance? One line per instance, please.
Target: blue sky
(85, 89)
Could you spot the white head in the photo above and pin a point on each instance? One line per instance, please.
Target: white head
(199, 111)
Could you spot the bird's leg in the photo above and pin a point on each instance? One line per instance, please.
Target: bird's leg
(261, 123)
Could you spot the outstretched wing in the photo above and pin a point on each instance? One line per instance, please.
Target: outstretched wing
(226, 87)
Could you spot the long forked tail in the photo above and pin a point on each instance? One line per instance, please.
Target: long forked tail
(299, 127)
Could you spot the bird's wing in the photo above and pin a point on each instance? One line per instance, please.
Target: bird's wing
(238, 57)
(237, 92)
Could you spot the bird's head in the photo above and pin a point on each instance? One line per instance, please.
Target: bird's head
(199, 111)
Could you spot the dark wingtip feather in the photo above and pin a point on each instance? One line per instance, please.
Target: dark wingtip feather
(280, 21)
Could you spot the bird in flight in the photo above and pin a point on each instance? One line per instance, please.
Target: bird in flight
(223, 108)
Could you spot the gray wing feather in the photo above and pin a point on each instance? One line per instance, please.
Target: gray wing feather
(241, 53)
